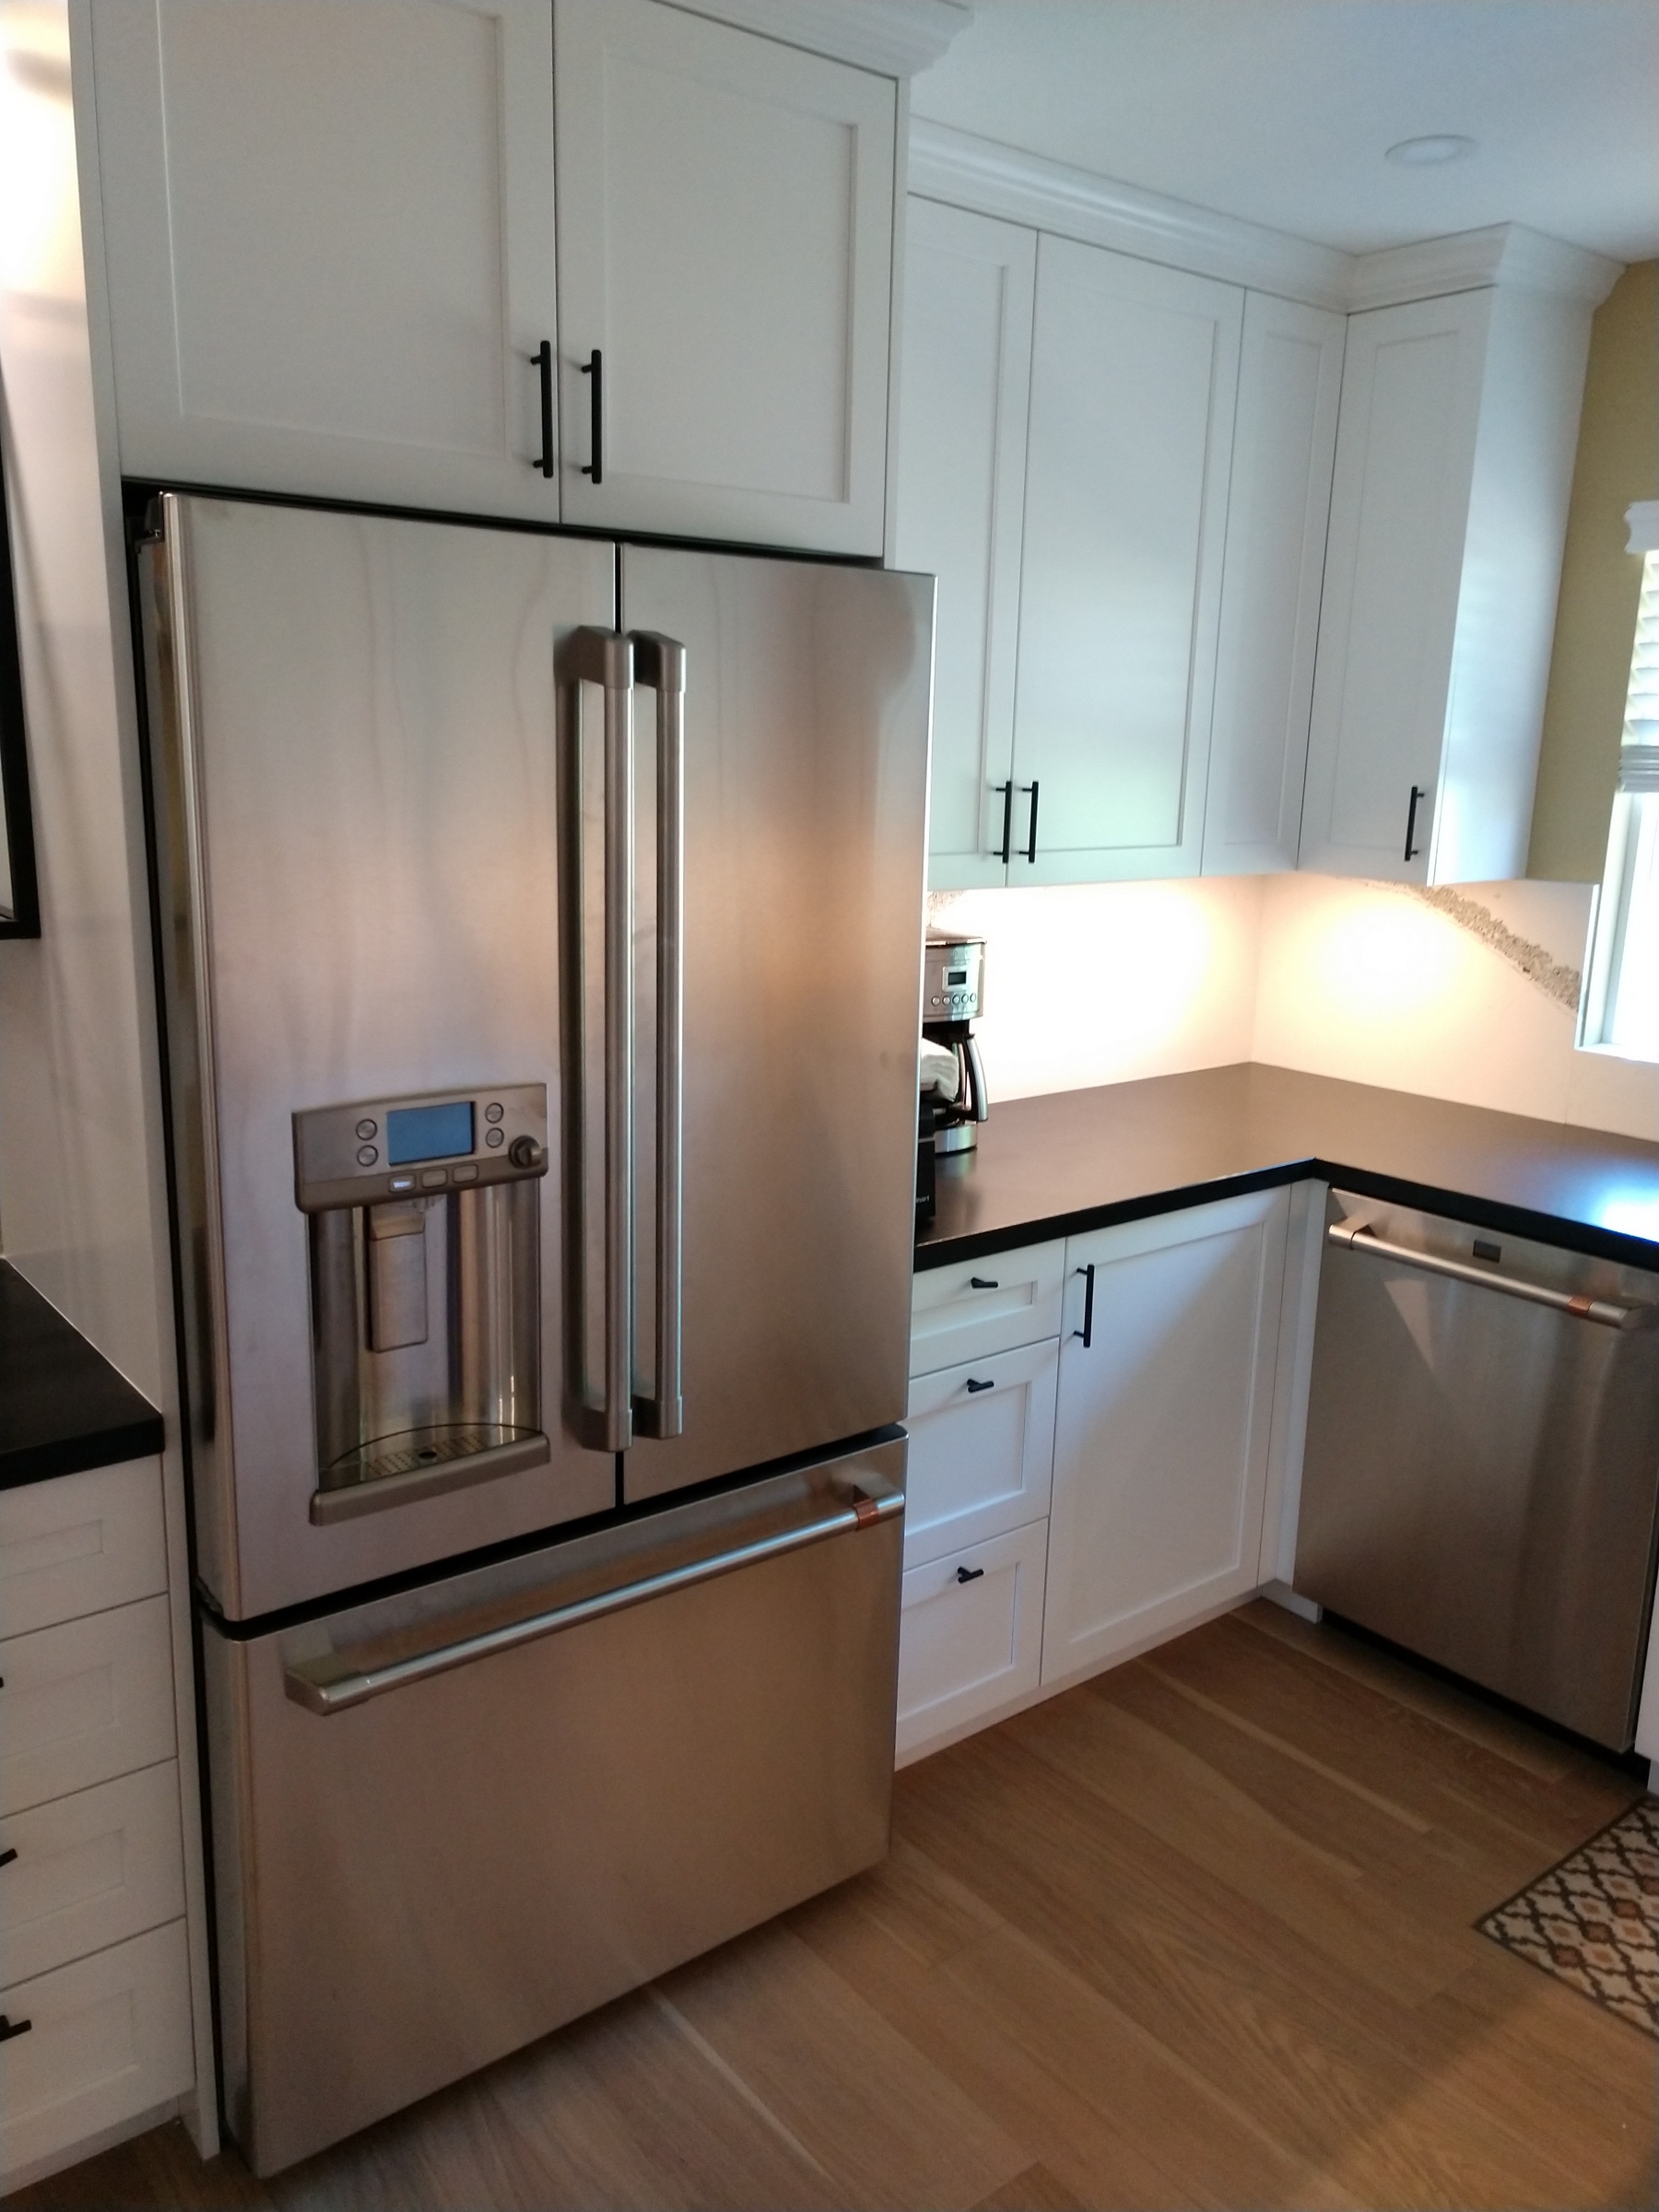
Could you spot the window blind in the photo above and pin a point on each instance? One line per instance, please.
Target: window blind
(1639, 753)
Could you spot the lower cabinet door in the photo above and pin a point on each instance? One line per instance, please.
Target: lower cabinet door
(982, 1445)
(969, 1635)
(92, 2044)
(1162, 1426)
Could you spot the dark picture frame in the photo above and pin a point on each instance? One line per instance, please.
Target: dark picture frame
(19, 916)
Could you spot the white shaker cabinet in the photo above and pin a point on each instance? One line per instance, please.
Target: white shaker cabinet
(969, 287)
(1133, 375)
(1278, 509)
(725, 238)
(1163, 1426)
(328, 231)
(1454, 456)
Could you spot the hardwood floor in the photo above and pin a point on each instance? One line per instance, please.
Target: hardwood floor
(1195, 1933)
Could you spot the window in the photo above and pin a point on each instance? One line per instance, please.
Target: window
(1621, 1007)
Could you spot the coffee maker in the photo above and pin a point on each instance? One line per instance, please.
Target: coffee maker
(952, 1000)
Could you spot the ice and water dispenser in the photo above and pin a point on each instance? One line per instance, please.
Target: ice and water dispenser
(424, 1217)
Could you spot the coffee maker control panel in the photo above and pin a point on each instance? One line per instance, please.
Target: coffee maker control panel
(951, 978)
(418, 1147)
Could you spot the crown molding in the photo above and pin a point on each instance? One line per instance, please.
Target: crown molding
(969, 172)
(1507, 255)
(895, 36)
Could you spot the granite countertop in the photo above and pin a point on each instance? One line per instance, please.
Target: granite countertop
(1078, 1160)
(63, 1406)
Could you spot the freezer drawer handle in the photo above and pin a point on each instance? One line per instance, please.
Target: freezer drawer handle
(337, 1693)
(660, 664)
(1358, 1237)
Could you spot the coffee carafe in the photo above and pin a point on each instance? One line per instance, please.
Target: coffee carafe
(952, 1000)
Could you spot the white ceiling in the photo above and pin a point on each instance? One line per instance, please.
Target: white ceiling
(1282, 111)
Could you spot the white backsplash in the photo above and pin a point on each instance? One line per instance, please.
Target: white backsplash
(1456, 998)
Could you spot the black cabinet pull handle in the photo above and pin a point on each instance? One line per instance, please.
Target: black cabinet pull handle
(1006, 793)
(6, 1857)
(982, 1282)
(969, 1574)
(1032, 833)
(973, 1386)
(542, 358)
(10, 2028)
(1086, 1331)
(1416, 792)
(594, 366)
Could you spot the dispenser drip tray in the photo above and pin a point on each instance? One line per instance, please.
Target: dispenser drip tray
(420, 1463)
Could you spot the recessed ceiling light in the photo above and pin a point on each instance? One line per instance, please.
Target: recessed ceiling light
(1425, 153)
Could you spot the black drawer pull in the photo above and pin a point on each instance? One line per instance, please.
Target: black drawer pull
(1031, 840)
(972, 1385)
(594, 366)
(982, 1282)
(10, 2028)
(542, 359)
(6, 1857)
(969, 1574)
(1412, 849)
(1086, 1331)
(1006, 793)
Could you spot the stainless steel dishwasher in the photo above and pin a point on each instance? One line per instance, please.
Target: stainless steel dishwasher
(1481, 1477)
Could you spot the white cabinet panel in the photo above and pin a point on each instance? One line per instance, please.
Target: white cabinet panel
(725, 245)
(1278, 504)
(1163, 1426)
(79, 1544)
(969, 285)
(982, 1445)
(84, 1701)
(969, 1635)
(329, 232)
(973, 1308)
(1134, 377)
(90, 1869)
(108, 2038)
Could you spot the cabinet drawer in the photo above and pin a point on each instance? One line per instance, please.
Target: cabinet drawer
(982, 1306)
(90, 1869)
(981, 1449)
(80, 1543)
(966, 1647)
(108, 2038)
(84, 1701)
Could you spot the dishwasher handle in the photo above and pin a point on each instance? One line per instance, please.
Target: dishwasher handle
(311, 1683)
(1357, 1236)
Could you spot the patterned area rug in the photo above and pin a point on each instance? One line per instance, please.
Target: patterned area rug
(1594, 1920)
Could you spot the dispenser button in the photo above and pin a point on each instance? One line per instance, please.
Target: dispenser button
(466, 1173)
(525, 1152)
(367, 1128)
(367, 1155)
(400, 1182)
(433, 1179)
(492, 1112)
(493, 1136)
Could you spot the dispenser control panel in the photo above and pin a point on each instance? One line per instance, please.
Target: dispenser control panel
(417, 1147)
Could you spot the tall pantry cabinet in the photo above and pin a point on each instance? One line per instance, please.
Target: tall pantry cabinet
(604, 262)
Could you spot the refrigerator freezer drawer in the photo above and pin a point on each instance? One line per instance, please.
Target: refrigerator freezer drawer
(451, 1820)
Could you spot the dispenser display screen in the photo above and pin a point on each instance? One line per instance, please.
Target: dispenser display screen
(414, 1133)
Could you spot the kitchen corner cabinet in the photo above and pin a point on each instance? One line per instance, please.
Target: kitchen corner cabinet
(1454, 456)
(1163, 1427)
(726, 235)
(328, 234)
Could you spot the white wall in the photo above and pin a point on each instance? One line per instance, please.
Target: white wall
(1107, 983)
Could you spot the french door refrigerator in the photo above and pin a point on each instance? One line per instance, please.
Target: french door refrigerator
(540, 928)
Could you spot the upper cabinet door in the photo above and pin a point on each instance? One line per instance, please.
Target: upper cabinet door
(969, 284)
(1411, 392)
(1135, 371)
(329, 232)
(725, 238)
(1278, 504)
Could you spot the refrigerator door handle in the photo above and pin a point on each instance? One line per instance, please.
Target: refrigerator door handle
(660, 664)
(599, 656)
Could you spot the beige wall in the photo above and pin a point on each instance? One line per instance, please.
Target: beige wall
(1596, 619)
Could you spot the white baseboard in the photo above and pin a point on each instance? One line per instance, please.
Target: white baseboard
(1305, 1608)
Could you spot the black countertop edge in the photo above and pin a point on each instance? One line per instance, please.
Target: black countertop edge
(63, 1409)
(1480, 1213)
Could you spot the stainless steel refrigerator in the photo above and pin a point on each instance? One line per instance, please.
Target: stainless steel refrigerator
(541, 937)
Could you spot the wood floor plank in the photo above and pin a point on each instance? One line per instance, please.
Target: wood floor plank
(1035, 2190)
